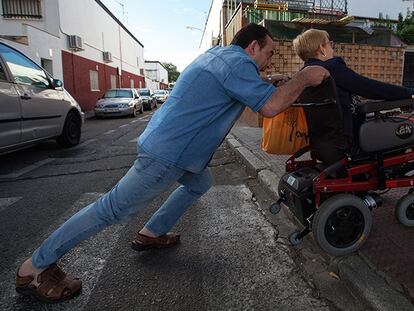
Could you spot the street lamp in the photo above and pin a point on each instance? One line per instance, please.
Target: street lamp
(194, 28)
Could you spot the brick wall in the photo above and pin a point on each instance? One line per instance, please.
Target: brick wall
(376, 62)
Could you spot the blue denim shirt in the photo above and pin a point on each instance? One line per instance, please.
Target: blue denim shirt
(209, 96)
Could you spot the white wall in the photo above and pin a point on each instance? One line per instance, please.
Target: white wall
(100, 33)
(155, 71)
(84, 18)
(213, 27)
(151, 84)
(49, 22)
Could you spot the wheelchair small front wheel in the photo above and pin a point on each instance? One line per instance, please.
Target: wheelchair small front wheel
(295, 238)
(404, 210)
(342, 224)
(275, 208)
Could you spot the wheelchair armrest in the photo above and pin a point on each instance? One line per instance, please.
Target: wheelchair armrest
(328, 101)
(386, 105)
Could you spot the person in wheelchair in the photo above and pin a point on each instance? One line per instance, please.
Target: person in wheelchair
(315, 48)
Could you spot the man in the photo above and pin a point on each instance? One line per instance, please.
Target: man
(177, 145)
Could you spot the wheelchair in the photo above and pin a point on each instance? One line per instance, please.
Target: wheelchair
(332, 192)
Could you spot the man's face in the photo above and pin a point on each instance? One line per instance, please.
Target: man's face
(263, 55)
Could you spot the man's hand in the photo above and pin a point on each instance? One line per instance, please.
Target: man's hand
(276, 78)
(312, 75)
(286, 94)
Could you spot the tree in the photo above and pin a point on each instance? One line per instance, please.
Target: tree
(405, 28)
(173, 72)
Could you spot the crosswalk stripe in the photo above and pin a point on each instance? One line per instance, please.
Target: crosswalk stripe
(6, 202)
(133, 140)
(124, 125)
(86, 260)
(25, 170)
(109, 132)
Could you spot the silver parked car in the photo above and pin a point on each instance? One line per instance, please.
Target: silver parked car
(161, 96)
(33, 106)
(119, 102)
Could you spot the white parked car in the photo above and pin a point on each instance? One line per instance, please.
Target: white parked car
(33, 105)
(161, 96)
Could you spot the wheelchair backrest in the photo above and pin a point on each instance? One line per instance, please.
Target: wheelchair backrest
(325, 121)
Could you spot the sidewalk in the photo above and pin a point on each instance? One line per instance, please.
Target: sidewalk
(382, 271)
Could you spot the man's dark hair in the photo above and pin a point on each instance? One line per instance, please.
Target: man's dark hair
(249, 33)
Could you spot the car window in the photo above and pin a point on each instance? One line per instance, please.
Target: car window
(144, 92)
(118, 94)
(24, 71)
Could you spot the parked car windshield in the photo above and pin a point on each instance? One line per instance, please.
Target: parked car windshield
(144, 92)
(118, 94)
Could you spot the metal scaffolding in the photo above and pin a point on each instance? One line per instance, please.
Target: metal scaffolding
(329, 7)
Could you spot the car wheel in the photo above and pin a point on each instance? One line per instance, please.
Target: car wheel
(71, 132)
(134, 112)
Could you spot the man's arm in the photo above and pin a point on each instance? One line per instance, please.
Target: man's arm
(285, 95)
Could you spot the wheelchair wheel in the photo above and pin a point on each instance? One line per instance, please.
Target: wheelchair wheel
(275, 208)
(341, 224)
(404, 210)
(294, 238)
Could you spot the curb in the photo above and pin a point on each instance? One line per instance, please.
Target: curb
(355, 271)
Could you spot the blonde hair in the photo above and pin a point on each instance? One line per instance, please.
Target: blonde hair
(306, 45)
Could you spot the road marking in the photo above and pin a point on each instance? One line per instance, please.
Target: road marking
(133, 140)
(124, 125)
(86, 260)
(135, 121)
(6, 202)
(109, 132)
(25, 170)
(85, 143)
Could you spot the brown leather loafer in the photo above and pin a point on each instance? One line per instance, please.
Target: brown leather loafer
(143, 242)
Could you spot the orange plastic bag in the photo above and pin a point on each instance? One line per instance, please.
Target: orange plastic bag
(285, 133)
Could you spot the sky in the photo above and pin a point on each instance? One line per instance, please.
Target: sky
(161, 26)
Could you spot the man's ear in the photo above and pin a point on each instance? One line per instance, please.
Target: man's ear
(252, 48)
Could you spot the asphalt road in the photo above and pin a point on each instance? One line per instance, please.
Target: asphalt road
(230, 257)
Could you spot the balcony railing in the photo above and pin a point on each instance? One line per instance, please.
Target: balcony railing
(21, 9)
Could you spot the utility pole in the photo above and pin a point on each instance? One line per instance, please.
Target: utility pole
(124, 13)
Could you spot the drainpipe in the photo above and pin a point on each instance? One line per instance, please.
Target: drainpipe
(120, 56)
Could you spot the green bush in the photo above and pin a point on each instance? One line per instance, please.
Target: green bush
(405, 28)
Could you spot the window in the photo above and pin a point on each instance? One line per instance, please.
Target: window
(24, 71)
(132, 83)
(21, 8)
(113, 81)
(93, 75)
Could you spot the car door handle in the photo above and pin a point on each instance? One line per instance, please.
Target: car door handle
(25, 96)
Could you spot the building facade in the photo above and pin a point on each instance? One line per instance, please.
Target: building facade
(368, 45)
(78, 41)
(157, 73)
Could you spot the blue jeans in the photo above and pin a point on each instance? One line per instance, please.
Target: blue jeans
(145, 180)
